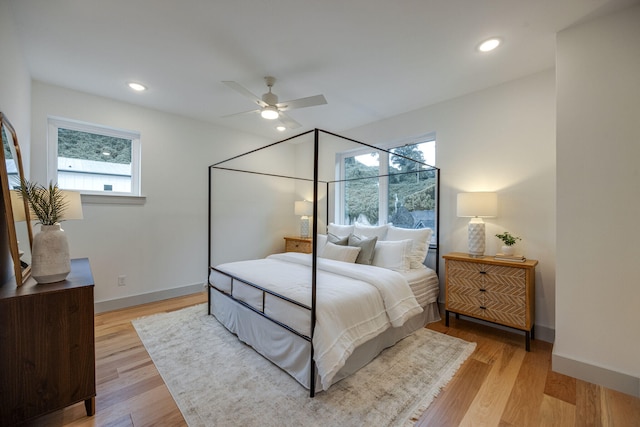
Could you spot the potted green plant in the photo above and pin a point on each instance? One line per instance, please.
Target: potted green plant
(50, 261)
(508, 241)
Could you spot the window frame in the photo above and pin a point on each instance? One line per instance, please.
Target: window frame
(54, 123)
(383, 187)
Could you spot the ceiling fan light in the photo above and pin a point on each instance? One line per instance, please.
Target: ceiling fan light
(269, 113)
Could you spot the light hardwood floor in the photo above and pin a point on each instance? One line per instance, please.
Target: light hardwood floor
(499, 385)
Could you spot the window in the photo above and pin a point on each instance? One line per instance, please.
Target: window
(94, 159)
(380, 187)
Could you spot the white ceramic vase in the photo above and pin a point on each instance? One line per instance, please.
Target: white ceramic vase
(50, 261)
(508, 250)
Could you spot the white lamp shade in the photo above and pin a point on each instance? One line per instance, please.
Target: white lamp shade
(17, 206)
(481, 204)
(303, 208)
(74, 205)
(72, 211)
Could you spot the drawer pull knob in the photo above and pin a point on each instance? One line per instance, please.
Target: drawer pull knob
(482, 290)
(483, 307)
(483, 272)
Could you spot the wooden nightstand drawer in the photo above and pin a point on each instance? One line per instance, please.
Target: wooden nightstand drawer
(298, 244)
(497, 291)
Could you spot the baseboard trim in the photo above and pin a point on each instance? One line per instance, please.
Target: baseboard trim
(116, 304)
(596, 374)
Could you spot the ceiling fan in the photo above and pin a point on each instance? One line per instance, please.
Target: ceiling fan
(270, 108)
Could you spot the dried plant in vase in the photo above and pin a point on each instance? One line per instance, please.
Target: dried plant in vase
(50, 260)
(46, 203)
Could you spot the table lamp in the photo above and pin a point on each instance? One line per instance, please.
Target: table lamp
(476, 206)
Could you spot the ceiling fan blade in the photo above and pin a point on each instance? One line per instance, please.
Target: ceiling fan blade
(244, 91)
(288, 121)
(240, 114)
(309, 101)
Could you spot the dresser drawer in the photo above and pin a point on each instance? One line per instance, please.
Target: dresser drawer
(302, 245)
(506, 280)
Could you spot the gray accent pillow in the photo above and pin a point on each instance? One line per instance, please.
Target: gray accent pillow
(366, 245)
(337, 240)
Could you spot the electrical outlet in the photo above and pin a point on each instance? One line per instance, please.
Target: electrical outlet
(122, 280)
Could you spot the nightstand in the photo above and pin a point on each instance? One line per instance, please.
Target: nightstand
(298, 244)
(500, 292)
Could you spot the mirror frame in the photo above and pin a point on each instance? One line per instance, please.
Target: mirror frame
(21, 274)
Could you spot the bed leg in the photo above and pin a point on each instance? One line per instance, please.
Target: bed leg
(312, 378)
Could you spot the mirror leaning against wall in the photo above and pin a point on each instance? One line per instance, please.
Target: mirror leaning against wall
(16, 208)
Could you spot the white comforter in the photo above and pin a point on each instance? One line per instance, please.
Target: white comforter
(354, 302)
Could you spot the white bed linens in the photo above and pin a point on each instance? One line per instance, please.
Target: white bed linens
(354, 302)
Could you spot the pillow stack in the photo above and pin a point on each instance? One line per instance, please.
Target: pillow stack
(385, 246)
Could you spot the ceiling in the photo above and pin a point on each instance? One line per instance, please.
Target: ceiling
(372, 59)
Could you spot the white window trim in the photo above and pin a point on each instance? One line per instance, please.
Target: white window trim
(54, 123)
(384, 170)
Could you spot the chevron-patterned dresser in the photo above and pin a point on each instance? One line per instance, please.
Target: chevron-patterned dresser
(501, 292)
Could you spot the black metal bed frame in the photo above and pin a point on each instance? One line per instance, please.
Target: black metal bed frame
(314, 232)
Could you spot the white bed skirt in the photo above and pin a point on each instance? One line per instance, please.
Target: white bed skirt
(291, 352)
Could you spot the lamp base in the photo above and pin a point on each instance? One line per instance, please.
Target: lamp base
(476, 239)
(304, 227)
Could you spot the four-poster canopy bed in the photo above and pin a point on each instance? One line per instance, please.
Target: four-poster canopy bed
(324, 315)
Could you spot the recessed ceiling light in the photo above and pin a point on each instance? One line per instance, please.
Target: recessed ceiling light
(281, 128)
(137, 86)
(489, 45)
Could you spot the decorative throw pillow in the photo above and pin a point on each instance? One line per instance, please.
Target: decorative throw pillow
(379, 231)
(394, 255)
(340, 230)
(337, 240)
(420, 237)
(367, 247)
(340, 253)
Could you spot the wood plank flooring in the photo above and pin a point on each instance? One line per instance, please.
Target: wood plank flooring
(499, 385)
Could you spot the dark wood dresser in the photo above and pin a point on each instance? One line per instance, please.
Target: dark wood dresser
(47, 347)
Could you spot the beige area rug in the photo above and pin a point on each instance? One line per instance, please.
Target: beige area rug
(216, 380)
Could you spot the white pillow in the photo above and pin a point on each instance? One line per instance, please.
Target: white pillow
(340, 253)
(394, 255)
(321, 241)
(420, 238)
(379, 231)
(340, 230)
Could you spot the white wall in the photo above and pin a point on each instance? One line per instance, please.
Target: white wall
(500, 139)
(161, 244)
(15, 94)
(253, 211)
(598, 172)
(15, 82)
